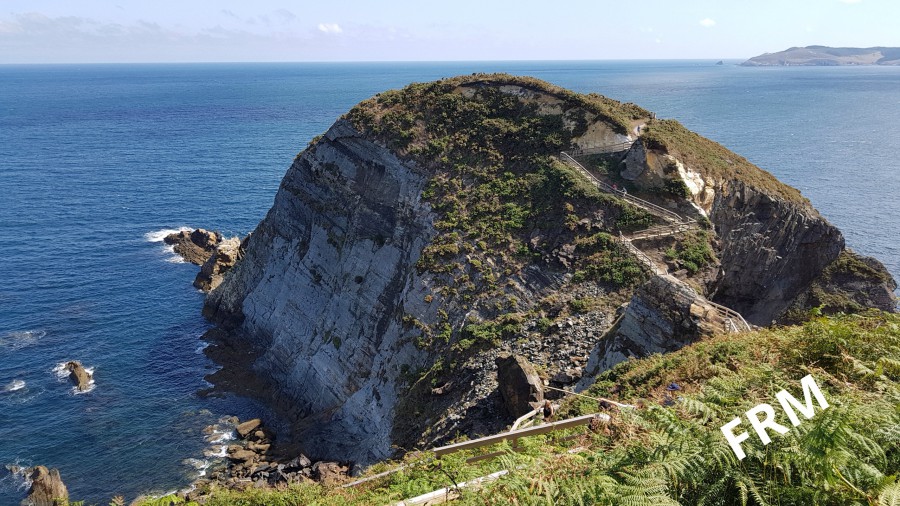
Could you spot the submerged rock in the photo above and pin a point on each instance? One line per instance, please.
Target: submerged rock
(79, 375)
(47, 488)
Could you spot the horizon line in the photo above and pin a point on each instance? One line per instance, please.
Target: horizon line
(213, 62)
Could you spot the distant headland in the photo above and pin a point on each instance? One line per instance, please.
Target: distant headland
(827, 56)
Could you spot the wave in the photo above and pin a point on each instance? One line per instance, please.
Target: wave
(18, 475)
(159, 235)
(21, 338)
(14, 385)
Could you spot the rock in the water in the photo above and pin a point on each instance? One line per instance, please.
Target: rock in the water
(195, 246)
(223, 258)
(47, 488)
(78, 375)
(519, 384)
(247, 428)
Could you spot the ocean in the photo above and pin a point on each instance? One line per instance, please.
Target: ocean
(98, 162)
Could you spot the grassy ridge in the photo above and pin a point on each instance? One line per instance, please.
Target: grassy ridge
(711, 158)
(671, 451)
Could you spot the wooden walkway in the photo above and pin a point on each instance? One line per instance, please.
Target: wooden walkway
(677, 224)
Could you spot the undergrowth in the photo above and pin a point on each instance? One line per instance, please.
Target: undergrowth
(670, 451)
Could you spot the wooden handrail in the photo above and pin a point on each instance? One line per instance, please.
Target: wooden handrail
(516, 434)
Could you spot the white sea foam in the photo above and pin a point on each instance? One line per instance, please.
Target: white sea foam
(21, 338)
(18, 472)
(203, 346)
(168, 249)
(14, 385)
(159, 235)
(62, 374)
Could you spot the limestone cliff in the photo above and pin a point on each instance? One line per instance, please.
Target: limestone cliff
(433, 228)
(323, 286)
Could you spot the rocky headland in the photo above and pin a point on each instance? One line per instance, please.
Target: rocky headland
(433, 231)
(827, 56)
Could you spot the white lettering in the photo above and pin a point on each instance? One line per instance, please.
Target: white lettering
(735, 441)
(769, 422)
(788, 403)
(787, 400)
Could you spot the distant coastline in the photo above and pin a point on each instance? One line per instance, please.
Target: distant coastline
(827, 56)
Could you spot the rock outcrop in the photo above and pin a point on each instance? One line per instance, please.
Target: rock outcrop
(79, 375)
(224, 256)
(47, 488)
(663, 315)
(772, 244)
(195, 246)
(215, 254)
(431, 229)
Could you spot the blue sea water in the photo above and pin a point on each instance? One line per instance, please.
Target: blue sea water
(96, 161)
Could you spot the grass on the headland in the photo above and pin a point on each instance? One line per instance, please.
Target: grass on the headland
(658, 455)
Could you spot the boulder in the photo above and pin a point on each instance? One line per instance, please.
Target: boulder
(194, 246)
(248, 427)
(47, 488)
(243, 456)
(78, 375)
(519, 384)
(225, 255)
(329, 473)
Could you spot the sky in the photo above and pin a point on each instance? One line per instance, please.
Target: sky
(112, 31)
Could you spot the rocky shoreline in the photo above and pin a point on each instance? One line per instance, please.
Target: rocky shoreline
(253, 460)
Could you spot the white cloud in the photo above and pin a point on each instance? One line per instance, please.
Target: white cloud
(330, 28)
(707, 22)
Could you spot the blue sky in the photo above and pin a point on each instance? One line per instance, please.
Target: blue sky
(69, 31)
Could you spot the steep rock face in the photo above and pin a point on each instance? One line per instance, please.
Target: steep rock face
(663, 315)
(771, 250)
(772, 243)
(324, 278)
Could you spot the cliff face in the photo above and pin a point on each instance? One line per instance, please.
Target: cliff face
(432, 229)
(321, 288)
(772, 244)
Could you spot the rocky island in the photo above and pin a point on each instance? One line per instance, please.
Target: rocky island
(827, 56)
(435, 228)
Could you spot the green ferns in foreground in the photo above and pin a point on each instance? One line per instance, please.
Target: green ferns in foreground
(672, 452)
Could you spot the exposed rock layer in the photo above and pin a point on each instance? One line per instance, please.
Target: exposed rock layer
(325, 277)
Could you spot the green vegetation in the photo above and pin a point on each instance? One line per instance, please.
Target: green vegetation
(710, 158)
(494, 181)
(692, 252)
(829, 294)
(671, 450)
(605, 259)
